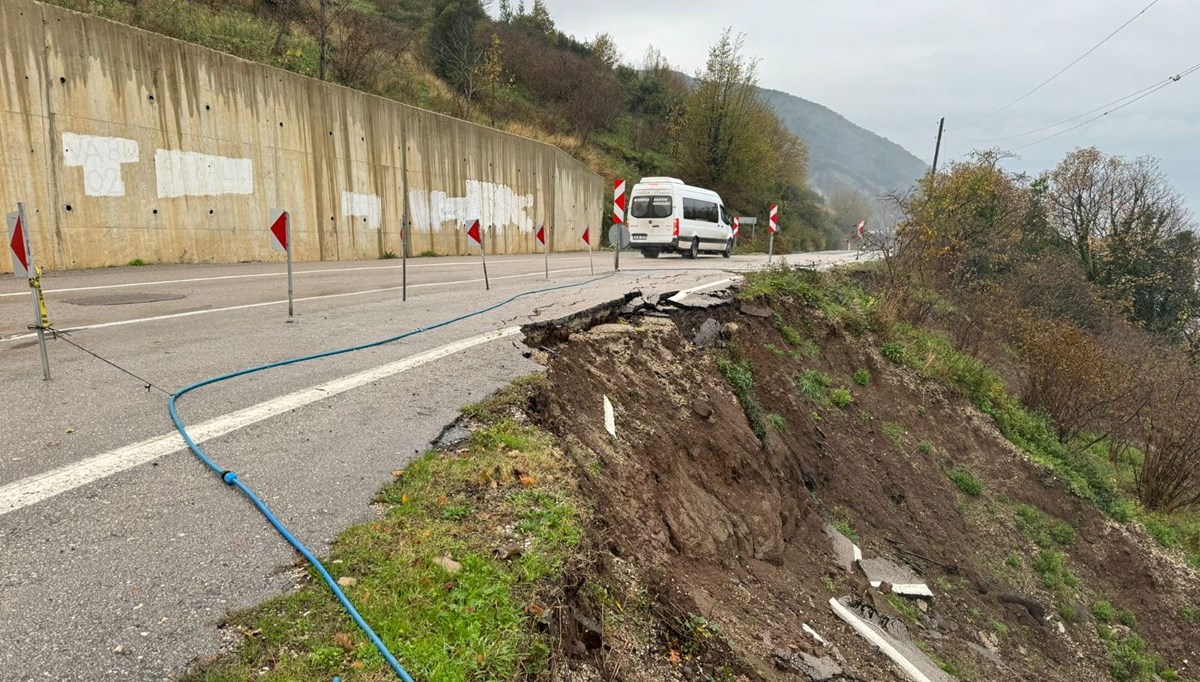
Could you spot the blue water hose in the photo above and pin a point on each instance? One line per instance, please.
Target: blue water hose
(231, 478)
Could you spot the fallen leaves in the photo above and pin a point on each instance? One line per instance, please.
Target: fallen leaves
(347, 581)
(343, 640)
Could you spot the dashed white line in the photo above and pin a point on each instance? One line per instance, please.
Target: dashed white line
(48, 484)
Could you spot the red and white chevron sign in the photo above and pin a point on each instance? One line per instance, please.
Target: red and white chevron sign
(773, 222)
(735, 226)
(619, 201)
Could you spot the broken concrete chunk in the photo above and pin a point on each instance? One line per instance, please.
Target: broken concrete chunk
(755, 310)
(847, 552)
(709, 334)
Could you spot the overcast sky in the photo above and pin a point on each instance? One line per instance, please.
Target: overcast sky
(896, 66)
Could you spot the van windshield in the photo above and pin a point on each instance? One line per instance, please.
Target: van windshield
(650, 207)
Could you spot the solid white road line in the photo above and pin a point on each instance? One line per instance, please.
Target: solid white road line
(701, 287)
(297, 273)
(45, 485)
(246, 306)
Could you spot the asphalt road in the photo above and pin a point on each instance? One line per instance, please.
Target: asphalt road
(120, 554)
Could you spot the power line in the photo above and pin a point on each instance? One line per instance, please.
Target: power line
(1067, 120)
(1177, 77)
(1064, 69)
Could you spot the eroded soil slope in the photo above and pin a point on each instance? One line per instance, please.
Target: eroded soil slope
(720, 503)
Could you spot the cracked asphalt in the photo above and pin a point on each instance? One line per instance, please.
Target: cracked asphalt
(127, 574)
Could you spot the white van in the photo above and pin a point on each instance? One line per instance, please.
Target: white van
(667, 215)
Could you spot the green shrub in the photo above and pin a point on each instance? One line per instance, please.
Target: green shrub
(1125, 617)
(841, 397)
(893, 351)
(1103, 611)
(925, 447)
(965, 481)
(1069, 613)
(862, 377)
(1190, 614)
(1051, 566)
(136, 262)
(389, 255)
(1063, 534)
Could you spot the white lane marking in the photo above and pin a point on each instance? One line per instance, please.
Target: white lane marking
(710, 285)
(247, 306)
(45, 485)
(868, 633)
(259, 274)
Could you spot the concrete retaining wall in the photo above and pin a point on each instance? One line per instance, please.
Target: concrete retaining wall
(125, 144)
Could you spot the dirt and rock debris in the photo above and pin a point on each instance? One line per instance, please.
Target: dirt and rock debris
(712, 502)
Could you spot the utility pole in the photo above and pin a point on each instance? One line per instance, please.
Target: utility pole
(938, 149)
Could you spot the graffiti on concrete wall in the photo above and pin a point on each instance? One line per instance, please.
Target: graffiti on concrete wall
(191, 174)
(101, 159)
(492, 203)
(365, 206)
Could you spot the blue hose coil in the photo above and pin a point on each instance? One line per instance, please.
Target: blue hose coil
(231, 478)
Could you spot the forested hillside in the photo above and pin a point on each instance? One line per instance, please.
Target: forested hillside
(842, 154)
(514, 70)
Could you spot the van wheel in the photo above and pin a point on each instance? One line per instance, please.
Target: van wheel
(649, 253)
(693, 250)
(728, 249)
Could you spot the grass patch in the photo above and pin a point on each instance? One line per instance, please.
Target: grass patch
(841, 521)
(925, 447)
(862, 377)
(778, 423)
(472, 620)
(1051, 567)
(895, 434)
(389, 255)
(427, 253)
(841, 397)
(812, 384)
(1104, 611)
(905, 607)
(136, 263)
(741, 380)
(965, 480)
(1043, 530)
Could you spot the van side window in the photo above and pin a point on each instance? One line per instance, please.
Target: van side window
(650, 207)
(703, 211)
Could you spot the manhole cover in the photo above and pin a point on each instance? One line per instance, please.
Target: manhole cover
(124, 299)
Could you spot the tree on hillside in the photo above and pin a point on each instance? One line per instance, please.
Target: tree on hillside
(850, 206)
(1131, 233)
(456, 47)
(730, 140)
(539, 19)
(491, 75)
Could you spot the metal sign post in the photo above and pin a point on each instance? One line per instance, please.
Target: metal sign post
(476, 235)
(773, 227)
(22, 259)
(404, 258)
(618, 221)
(281, 240)
(541, 237)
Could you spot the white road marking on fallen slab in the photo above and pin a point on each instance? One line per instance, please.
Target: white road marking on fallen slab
(610, 419)
(869, 634)
(45, 485)
(679, 296)
(253, 275)
(247, 306)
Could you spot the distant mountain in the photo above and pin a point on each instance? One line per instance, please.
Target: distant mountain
(842, 154)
